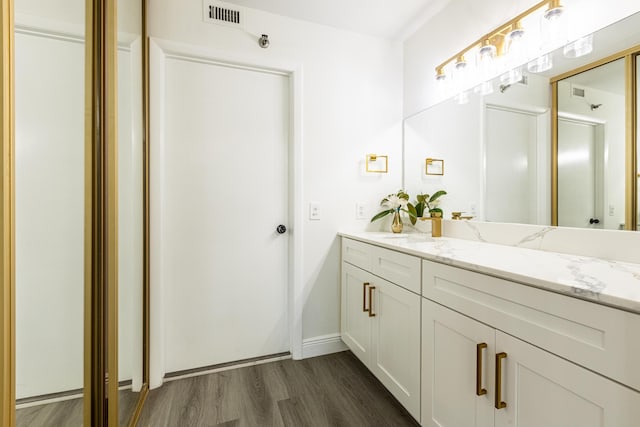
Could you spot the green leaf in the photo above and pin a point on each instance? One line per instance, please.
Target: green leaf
(420, 208)
(436, 195)
(436, 210)
(411, 210)
(381, 215)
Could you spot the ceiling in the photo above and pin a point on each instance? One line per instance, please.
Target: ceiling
(393, 20)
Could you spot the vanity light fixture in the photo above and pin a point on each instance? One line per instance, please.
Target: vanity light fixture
(505, 50)
(377, 164)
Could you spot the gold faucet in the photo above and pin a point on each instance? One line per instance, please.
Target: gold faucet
(436, 225)
(458, 216)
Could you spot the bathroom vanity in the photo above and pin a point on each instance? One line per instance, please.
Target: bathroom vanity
(469, 333)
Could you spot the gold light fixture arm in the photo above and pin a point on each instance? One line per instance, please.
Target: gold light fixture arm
(497, 36)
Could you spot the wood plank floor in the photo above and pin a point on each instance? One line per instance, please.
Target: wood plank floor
(332, 390)
(69, 412)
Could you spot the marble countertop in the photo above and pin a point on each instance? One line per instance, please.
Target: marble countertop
(607, 282)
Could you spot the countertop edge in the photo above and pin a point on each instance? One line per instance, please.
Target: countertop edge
(613, 301)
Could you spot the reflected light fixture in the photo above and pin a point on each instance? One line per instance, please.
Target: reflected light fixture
(540, 64)
(506, 50)
(581, 47)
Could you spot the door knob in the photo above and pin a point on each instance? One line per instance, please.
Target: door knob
(594, 221)
(281, 229)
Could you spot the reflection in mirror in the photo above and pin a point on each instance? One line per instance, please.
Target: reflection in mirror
(591, 148)
(130, 205)
(49, 188)
(497, 147)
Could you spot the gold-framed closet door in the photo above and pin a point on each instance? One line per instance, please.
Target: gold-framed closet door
(7, 219)
(101, 216)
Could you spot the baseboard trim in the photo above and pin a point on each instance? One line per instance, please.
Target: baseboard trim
(324, 344)
(212, 369)
(27, 402)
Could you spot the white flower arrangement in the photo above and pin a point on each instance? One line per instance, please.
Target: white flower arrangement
(394, 204)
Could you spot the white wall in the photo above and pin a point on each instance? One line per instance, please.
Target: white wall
(438, 133)
(351, 106)
(462, 22)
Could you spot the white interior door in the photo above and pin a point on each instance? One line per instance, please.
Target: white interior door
(224, 192)
(576, 174)
(511, 151)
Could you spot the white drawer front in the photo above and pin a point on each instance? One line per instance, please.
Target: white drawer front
(357, 253)
(595, 336)
(396, 267)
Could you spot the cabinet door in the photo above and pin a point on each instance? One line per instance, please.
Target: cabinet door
(541, 389)
(452, 346)
(356, 323)
(396, 343)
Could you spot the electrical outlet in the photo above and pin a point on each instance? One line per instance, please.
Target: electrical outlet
(612, 210)
(361, 210)
(472, 209)
(314, 211)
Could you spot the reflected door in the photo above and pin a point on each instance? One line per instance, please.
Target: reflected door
(511, 151)
(577, 176)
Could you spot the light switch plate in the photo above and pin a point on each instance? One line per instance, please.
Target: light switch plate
(361, 210)
(314, 211)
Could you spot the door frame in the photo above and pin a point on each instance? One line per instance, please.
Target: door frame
(159, 51)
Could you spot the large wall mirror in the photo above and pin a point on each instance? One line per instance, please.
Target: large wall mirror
(50, 211)
(499, 151)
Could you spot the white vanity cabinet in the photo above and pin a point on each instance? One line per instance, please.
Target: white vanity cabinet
(381, 316)
(498, 367)
(459, 348)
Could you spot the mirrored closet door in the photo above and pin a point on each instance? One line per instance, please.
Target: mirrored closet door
(49, 211)
(73, 213)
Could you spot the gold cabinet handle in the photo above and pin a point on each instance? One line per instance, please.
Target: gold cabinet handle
(364, 297)
(499, 403)
(371, 313)
(479, 390)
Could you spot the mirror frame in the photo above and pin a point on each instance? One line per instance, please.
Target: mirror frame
(7, 228)
(631, 131)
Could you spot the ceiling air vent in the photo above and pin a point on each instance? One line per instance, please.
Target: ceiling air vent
(216, 12)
